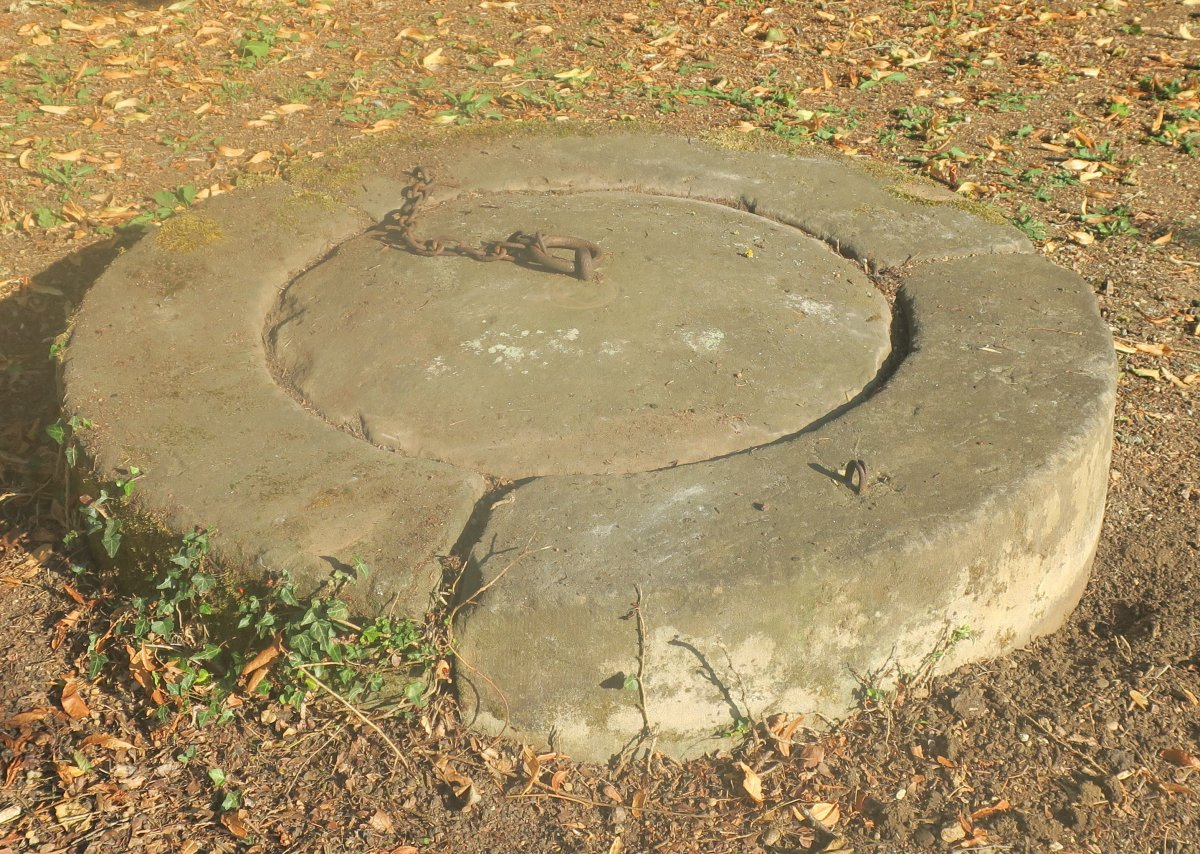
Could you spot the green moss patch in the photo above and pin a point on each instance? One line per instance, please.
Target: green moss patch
(188, 232)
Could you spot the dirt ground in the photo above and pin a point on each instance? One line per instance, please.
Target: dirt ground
(1079, 120)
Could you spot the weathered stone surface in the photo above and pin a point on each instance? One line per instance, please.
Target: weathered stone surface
(167, 359)
(769, 585)
(768, 582)
(883, 221)
(710, 330)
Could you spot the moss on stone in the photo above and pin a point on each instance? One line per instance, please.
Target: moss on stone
(910, 192)
(732, 140)
(881, 170)
(250, 180)
(303, 205)
(350, 162)
(327, 174)
(188, 232)
(309, 199)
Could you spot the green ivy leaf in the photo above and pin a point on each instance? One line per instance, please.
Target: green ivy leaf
(112, 537)
(414, 693)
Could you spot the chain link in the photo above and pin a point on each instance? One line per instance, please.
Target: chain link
(525, 248)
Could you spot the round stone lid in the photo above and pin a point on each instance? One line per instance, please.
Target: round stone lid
(708, 330)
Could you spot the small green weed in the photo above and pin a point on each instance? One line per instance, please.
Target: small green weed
(167, 203)
(96, 514)
(1182, 129)
(231, 91)
(231, 799)
(1166, 90)
(189, 646)
(468, 106)
(69, 175)
(179, 143)
(1033, 227)
(738, 729)
(1102, 152)
(1117, 110)
(879, 78)
(946, 644)
(923, 123)
(1108, 223)
(256, 44)
(47, 218)
(1010, 102)
(315, 635)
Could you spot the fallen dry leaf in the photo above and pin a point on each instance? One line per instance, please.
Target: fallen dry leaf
(434, 59)
(73, 815)
(1001, 805)
(23, 718)
(109, 742)
(1181, 758)
(812, 755)
(72, 703)
(460, 784)
(751, 783)
(412, 34)
(1153, 349)
(263, 658)
(381, 822)
(235, 823)
(826, 813)
(1174, 788)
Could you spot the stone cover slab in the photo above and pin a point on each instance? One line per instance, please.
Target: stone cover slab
(708, 330)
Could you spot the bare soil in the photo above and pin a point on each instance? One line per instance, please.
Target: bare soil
(1078, 120)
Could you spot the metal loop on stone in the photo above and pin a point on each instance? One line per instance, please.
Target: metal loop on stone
(399, 227)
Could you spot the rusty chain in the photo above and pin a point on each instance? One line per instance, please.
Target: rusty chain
(528, 249)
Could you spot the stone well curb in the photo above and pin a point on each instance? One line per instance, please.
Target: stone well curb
(768, 583)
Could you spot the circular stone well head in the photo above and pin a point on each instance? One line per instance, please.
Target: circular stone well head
(688, 430)
(708, 330)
